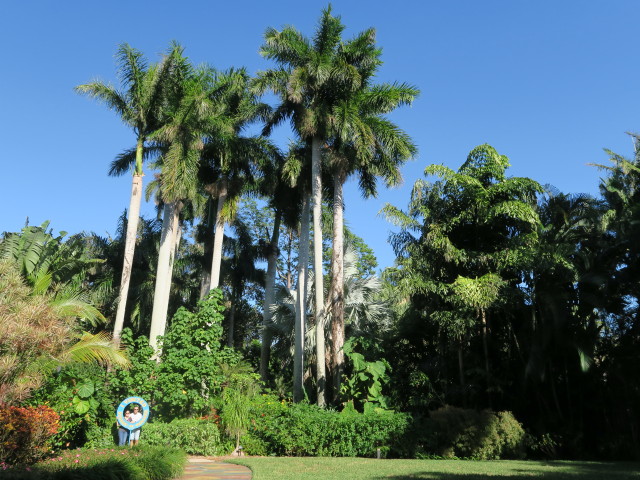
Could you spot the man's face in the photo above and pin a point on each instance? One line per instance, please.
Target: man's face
(135, 409)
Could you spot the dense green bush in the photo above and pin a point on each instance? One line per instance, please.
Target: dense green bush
(121, 463)
(196, 437)
(302, 429)
(458, 432)
(190, 373)
(80, 395)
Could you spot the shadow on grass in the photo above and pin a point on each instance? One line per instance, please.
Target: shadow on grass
(544, 470)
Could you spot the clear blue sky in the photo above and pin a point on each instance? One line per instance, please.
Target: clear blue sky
(547, 83)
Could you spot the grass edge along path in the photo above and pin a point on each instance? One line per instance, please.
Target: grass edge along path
(331, 468)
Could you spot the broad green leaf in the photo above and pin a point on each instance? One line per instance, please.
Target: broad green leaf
(81, 406)
(86, 389)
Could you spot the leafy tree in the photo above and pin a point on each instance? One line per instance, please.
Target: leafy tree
(464, 243)
(363, 387)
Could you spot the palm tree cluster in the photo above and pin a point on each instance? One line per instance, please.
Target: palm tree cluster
(190, 125)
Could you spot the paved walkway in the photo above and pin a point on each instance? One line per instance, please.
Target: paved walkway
(200, 468)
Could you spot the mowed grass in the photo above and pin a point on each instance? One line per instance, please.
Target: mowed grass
(324, 468)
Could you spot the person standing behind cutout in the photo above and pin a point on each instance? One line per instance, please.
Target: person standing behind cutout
(123, 433)
(136, 416)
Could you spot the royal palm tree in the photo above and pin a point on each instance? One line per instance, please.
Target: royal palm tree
(367, 145)
(181, 144)
(313, 76)
(140, 106)
(284, 200)
(231, 163)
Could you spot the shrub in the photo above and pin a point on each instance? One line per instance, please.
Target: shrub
(26, 432)
(196, 437)
(77, 392)
(458, 432)
(307, 430)
(190, 373)
(124, 464)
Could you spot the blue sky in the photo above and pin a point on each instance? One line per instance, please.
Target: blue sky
(547, 83)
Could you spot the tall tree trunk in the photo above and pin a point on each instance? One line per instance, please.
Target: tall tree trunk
(301, 304)
(269, 299)
(170, 221)
(207, 247)
(232, 320)
(337, 287)
(216, 261)
(133, 217)
(461, 367)
(316, 192)
(485, 348)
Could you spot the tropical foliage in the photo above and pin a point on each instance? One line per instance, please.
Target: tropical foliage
(511, 307)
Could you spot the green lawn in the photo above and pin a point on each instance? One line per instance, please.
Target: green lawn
(312, 468)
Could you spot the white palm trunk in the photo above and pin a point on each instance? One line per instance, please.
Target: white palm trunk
(269, 299)
(129, 251)
(170, 221)
(337, 286)
(316, 192)
(301, 305)
(217, 239)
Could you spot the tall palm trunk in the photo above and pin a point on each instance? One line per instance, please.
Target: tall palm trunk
(232, 320)
(269, 299)
(337, 286)
(301, 304)
(133, 218)
(316, 192)
(218, 238)
(170, 223)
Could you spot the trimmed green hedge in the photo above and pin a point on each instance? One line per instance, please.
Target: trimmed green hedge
(307, 430)
(194, 436)
(280, 428)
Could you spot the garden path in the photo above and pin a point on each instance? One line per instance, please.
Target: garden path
(200, 468)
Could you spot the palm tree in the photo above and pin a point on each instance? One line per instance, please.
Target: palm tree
(49, 264)
(284, 200)
(311, 79)
(367, 145)
(366, 314)
(231, 163)
(36, 335)
(180, 141)
(139, 106)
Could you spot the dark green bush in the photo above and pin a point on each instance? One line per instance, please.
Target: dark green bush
(458, 432)
(306, 430)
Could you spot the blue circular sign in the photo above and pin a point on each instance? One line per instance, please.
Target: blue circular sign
(144, 406)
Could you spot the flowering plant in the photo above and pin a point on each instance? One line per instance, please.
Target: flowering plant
(26, 432)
